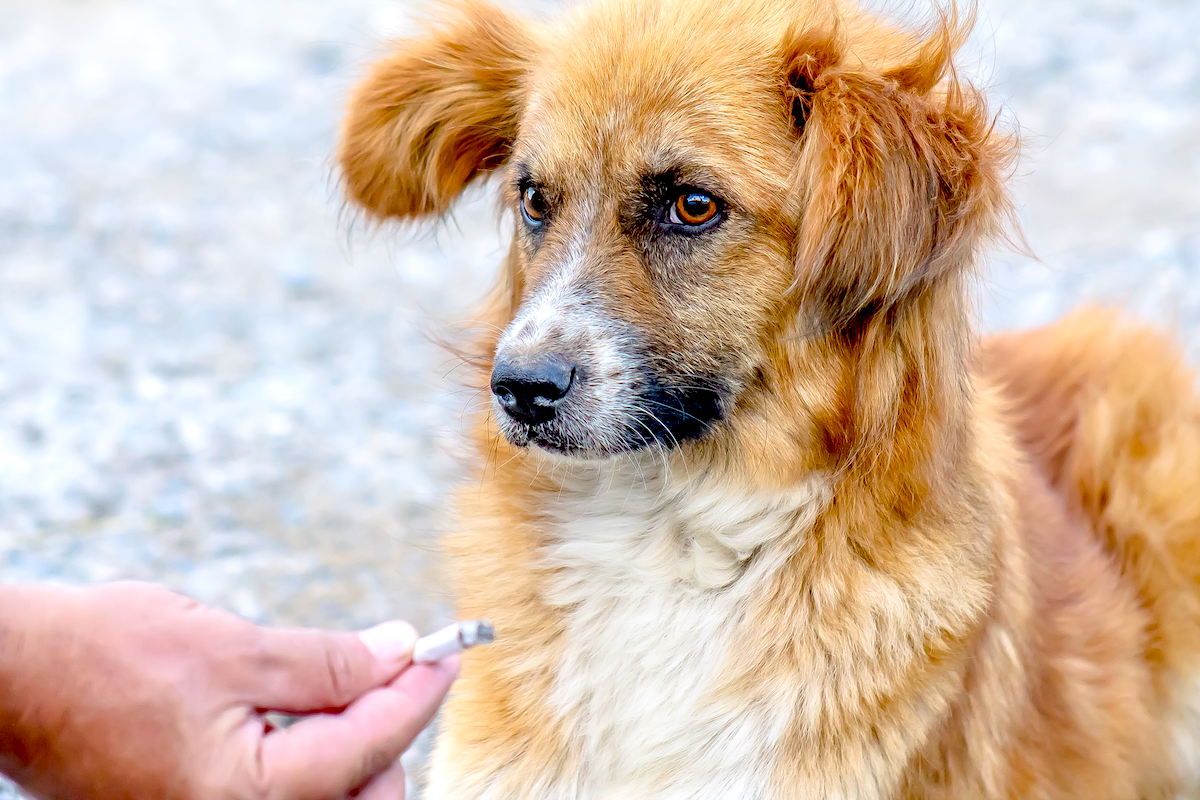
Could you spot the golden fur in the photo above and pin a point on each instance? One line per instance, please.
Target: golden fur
(898, 564)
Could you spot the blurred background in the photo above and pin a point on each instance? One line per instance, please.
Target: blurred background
(214, 377)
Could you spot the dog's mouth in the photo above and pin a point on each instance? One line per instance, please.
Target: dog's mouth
(584, 424)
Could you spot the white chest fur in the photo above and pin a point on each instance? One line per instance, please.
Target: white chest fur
(654, 578)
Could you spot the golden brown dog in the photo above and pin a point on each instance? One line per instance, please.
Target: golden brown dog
(757, 516)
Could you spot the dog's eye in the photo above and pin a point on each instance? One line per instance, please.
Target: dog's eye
(692, 209)
(533, 205)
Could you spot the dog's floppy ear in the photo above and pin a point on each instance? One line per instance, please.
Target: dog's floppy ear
(901, 173)
(437, 113)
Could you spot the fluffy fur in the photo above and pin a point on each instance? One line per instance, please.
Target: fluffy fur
(874, 559)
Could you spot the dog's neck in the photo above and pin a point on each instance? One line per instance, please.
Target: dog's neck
(666, 521)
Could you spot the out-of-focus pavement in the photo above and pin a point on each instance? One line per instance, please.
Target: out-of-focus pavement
(212, 377)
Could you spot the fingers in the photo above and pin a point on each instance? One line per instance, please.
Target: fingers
(328, 755)
(300, 670)
(388, 785)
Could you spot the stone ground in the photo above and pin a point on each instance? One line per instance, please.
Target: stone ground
(213, 378)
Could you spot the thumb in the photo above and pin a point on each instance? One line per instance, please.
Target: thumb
(303, 670)
(326, 755)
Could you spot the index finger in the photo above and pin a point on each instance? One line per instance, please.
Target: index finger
(302, 670)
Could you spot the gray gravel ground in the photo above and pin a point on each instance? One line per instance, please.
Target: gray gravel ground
(211, 377)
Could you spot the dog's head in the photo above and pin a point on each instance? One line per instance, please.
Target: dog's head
(696, 187)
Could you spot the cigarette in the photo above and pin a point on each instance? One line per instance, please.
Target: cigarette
(452, 640)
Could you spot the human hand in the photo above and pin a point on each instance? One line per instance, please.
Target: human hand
(130, 691)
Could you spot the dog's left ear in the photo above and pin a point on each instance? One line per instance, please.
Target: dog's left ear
(436, 114)
(901, 174)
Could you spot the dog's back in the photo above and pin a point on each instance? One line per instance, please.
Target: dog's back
(1107, 410)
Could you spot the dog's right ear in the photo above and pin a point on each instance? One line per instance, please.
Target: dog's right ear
(901, 167)
(437, 113)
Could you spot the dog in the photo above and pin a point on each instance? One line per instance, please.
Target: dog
(755, 512)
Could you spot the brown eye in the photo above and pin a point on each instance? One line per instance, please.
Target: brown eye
(533, 205)
(693, 208)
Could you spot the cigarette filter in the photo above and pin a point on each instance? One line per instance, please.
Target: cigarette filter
(452, 640)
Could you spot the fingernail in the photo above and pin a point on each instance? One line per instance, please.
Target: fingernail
(390, 641)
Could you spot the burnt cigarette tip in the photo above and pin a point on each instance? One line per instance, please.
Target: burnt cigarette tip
(478, 631)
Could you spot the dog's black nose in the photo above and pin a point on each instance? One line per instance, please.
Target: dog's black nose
(530, 393)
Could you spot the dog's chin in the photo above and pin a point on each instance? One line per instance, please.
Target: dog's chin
(551, 440)
(660, 418)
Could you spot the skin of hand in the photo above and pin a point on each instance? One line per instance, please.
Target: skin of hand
(127, 690)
